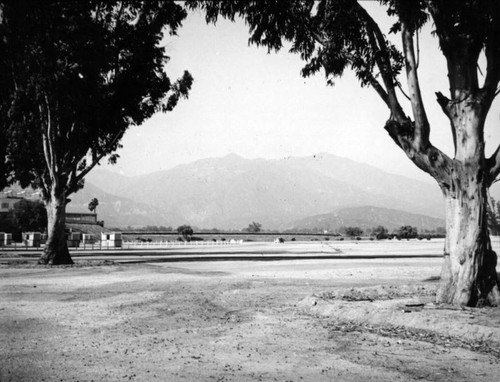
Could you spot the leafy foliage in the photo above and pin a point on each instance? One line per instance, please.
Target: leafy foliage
(380, 232)
(254, 227)
(185, 231)
(30, 216)
(26, 216)
(351, 231)
(75, 76)
(407, 232)
(328, 35)
(93, 204)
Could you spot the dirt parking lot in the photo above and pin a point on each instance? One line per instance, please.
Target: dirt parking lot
(291, 320)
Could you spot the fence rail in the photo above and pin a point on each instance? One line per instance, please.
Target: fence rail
(126, 245)
(177, 244)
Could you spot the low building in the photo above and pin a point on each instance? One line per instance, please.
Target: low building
(111, 239)
(88, 238)
(32, 239)
(81, 218)
(5, 238)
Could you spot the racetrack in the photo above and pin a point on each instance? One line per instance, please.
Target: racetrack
(250, 251)
(348, 318)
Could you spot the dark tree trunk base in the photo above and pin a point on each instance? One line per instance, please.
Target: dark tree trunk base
(56, 248)
(59, 258)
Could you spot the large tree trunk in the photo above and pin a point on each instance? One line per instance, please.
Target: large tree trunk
(468, 275)
(56, 248)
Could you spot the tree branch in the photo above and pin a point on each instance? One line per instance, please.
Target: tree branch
(446, 106)
(74, 179)
(422, 129)
(371, 79)
(493, 167)
(489, 90)
(379, 45)
(47, 140)
(402, 91)
(379, 89)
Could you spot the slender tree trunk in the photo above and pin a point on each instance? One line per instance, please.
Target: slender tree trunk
(468, 275)
(56, 248)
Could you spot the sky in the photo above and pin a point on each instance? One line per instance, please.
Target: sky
(247, 101)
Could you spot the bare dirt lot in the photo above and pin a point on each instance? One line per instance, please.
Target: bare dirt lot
(293, 320)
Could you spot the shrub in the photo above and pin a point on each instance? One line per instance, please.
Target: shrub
(380, 232)
(186, 231)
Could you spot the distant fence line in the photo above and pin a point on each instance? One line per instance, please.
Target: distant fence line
(136, 244)
(175, 244)
(266, 233)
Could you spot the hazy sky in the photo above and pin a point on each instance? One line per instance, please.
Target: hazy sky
(255, 104)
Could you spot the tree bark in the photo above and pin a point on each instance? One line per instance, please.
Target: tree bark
(56, 248)
(468, 275)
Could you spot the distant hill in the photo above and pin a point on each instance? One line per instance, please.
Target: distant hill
(366, 217)
(231, 192)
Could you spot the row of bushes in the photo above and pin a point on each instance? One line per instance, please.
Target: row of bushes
(282, 240)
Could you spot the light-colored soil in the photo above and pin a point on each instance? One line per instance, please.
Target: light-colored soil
(293, 320)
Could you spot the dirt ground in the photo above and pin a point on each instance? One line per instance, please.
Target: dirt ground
(292, 320)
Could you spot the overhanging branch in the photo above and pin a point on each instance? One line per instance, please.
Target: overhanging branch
(75, 178)
(379, 89)
(371, 78)
(422, 129)
(379, 45)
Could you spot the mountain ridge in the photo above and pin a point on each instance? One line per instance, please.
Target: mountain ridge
(366, 217)
(232, 191)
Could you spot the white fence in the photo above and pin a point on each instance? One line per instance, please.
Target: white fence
(177, 244)
(105, 245)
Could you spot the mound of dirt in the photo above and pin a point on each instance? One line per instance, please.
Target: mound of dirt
(408, 312)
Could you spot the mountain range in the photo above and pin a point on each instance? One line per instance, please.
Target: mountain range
(231, 192)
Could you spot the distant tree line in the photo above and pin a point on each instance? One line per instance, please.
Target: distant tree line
(404, 232)
(150, 228)
(379, 232)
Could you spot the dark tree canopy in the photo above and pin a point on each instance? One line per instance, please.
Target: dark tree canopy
(380, 232)
(30, 216)
(352, 231)
(407, 232)
(254, 227)
(26, 216)
(185, 231)
(74, 76)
